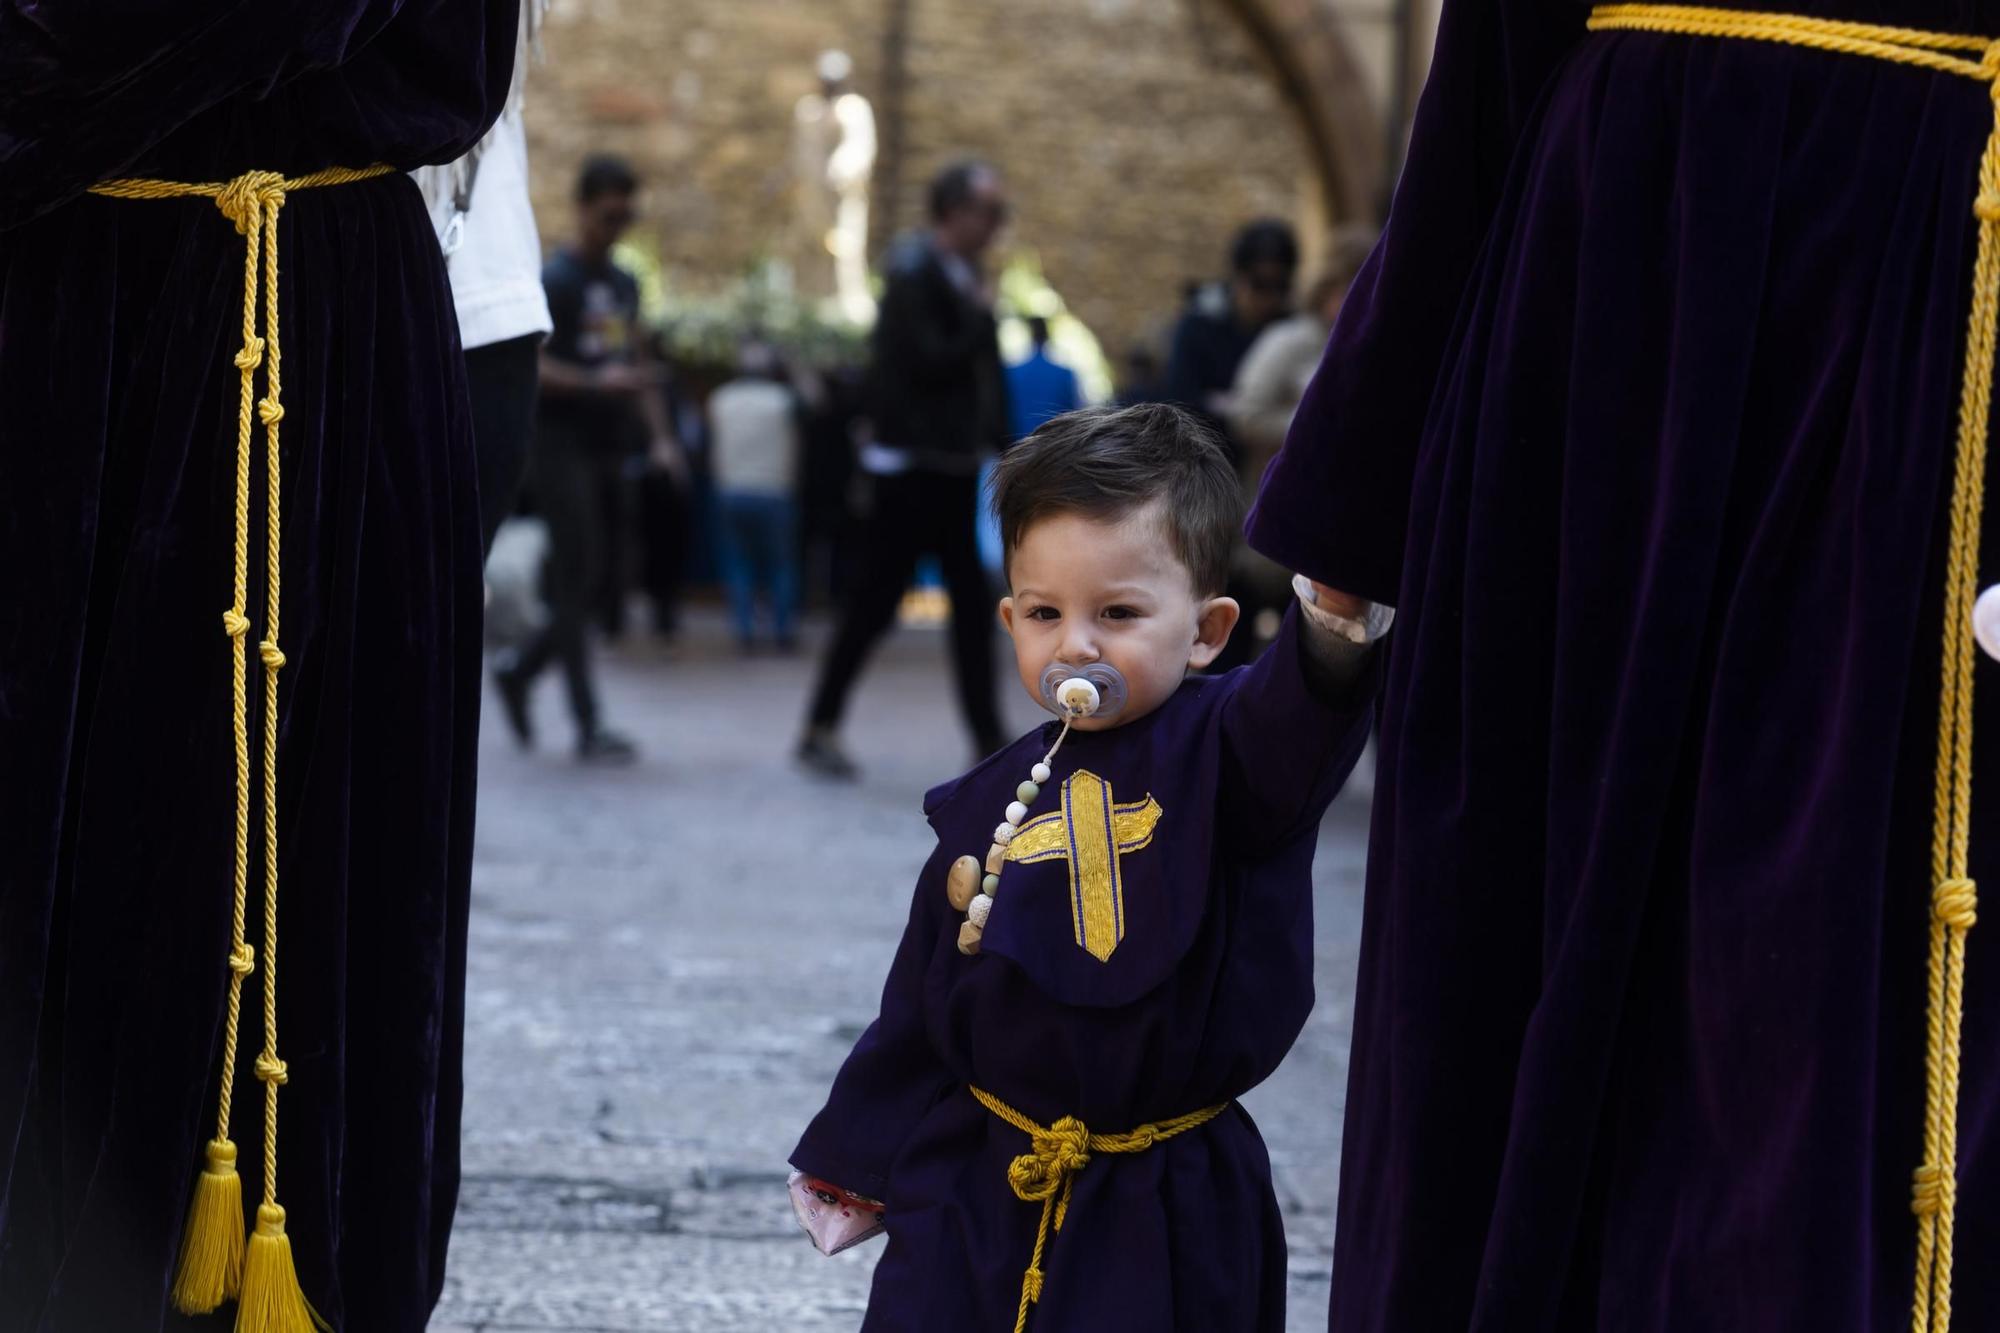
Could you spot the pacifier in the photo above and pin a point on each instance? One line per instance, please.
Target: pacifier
(1074, 693)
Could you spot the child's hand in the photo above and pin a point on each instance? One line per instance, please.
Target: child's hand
(1355, 620)
(834, 1218)
(1337, 602)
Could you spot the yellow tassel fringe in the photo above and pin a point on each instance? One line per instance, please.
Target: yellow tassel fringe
(272, 1301)
(211, 1266)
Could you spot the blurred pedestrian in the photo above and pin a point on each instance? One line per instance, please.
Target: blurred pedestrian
(667, 509)
(1214, 334)
(596, 391)
(1280, 363)
(1139, 379)
(1269, 384)
(487, 228)
(1223, 320)
(754, 424)
(938, 403)
(1039, 387)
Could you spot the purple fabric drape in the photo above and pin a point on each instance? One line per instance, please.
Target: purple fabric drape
(118, 401)
(1643, 414)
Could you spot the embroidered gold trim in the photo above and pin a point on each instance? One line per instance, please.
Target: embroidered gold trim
(1093, 832)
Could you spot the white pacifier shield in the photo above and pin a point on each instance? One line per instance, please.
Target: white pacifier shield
(1078, 696)
(1986, 621)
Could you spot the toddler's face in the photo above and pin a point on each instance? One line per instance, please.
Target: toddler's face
(1087, 590)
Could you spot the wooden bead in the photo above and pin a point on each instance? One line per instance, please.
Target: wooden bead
(962, 882)
(996, 856)
(981, 908)
(968, 938)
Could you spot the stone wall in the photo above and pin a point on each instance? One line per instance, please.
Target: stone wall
(1135, 134)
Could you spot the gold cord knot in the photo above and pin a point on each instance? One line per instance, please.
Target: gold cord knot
(1059, 1151)
(1045, 1174)
(271, 1069)
(1955, 903)
(243, 960)
(1987, 206)
(242, 200)
(270, 411)
(234, 623)
(1931, 1190)
(273, 657)
(251, 355)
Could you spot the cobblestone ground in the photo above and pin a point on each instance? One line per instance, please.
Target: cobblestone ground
(668, 963)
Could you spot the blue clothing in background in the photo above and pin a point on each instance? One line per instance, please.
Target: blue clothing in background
(1038, 389)
(758, 555)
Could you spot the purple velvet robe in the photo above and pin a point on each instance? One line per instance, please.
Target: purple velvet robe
(1642, 414)
(118, 321)
(1196, 1003)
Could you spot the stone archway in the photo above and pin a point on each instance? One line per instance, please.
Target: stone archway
(1320, 77)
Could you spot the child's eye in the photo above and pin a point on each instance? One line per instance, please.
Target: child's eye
(1119, 613)
(1045, 613)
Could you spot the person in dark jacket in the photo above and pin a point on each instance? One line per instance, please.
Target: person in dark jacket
(937, 400)
(1223, 320)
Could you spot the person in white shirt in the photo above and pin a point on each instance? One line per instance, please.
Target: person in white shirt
(754, 449)
(480, 207)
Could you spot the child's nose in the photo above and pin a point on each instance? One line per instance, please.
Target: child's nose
(1079, 646)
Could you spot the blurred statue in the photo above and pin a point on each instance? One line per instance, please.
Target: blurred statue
(833, 154)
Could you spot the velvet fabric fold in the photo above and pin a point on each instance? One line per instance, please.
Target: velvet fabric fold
(118, 400)
(1643, 416)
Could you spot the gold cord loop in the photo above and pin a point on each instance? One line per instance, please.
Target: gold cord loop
(1046, 1173)
(212, 1262)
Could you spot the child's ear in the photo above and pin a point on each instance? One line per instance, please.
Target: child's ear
(1007, 614)
(1218, 616)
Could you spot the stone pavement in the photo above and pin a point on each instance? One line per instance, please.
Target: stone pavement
(669, 961)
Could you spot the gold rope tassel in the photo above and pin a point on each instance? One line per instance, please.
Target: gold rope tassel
(1954, 897)
(273, 1301)
(215, 1262)
(1046, 1173)
(211, 1264)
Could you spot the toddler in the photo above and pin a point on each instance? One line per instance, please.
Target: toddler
(1113, 939)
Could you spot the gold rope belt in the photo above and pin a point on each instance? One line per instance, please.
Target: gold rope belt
(1046, 1173)
(215, 1265)
(1953, 895)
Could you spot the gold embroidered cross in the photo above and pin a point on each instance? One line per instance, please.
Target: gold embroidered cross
(1093, 833)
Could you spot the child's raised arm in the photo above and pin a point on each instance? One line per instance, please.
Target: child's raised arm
(1292, 731)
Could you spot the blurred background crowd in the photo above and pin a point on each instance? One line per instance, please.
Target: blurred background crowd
(792, 300)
